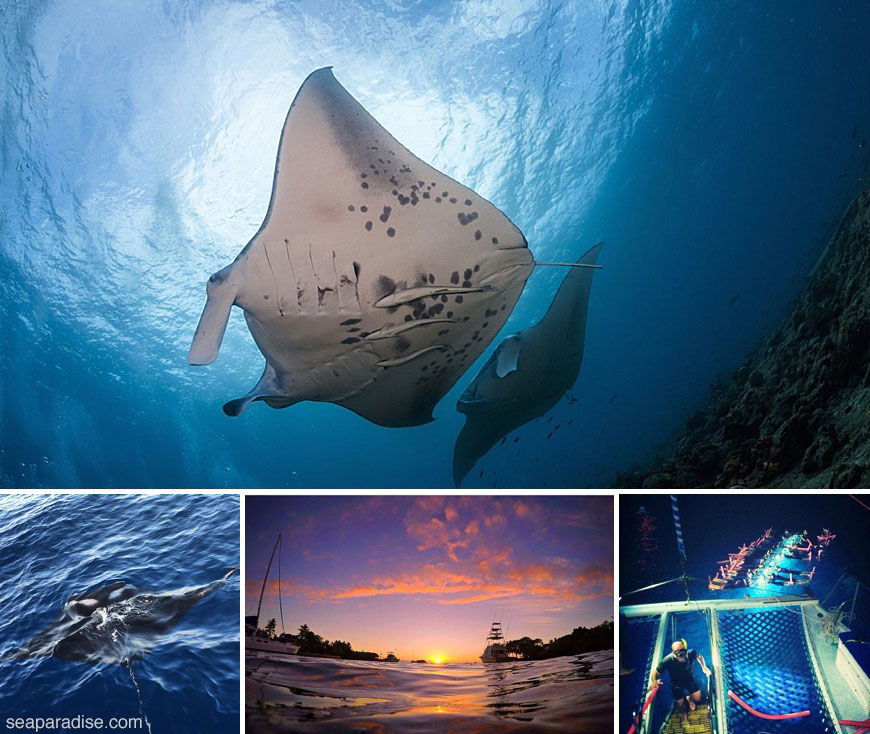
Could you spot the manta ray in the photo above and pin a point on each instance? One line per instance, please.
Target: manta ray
(117, 623)
(374, 281)
(528, 373)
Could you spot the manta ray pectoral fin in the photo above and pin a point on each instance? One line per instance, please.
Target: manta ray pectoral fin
(221, 293)
(267, 389)
(508, 354)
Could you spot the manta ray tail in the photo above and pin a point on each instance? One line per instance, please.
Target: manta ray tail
(221, 293)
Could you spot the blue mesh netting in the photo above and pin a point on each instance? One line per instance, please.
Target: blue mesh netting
(767, 664)
(636, 640)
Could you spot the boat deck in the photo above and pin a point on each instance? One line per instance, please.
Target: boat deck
(846, 704)
(697, 721)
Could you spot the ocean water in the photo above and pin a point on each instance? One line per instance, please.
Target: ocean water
(301, 694)
(55, 546)
(712, 146)
(715, 525)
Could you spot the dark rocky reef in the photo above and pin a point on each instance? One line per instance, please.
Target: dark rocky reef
(797, 412)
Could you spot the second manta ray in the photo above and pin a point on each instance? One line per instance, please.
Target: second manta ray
(528, 373)
(117, 623)
(375, 279)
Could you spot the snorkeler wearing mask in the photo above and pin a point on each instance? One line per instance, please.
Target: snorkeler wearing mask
(684, 687)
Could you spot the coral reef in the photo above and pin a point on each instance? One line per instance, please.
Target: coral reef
(797, 412)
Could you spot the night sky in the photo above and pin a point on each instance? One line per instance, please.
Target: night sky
(425, 576)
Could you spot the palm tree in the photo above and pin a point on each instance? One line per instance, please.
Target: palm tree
(270, 628)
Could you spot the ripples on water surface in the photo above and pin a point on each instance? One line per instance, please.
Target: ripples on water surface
(300, 694)
(54, 546)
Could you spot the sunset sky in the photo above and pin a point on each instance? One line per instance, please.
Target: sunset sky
(425, 576)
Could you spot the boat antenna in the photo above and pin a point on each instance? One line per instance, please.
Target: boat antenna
(280, 595)
(675, 510)
(263, 588)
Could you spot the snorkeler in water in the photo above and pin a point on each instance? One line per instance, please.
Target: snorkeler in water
(684, 687)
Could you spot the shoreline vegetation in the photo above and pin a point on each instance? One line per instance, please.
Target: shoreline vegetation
(580, 640)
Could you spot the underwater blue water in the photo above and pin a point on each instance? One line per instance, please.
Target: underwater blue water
(712, 146)
(54, 546)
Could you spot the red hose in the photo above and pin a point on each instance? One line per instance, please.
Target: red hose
(771, 717)
(652, 695)
(857, 724)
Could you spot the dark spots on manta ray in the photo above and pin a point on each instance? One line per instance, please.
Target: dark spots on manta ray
(459, 299)
(383, 287)
(335, 372)
(466, 284)
(402, 344)
(443, 332)
(363, 175)
(466, 318)
(363, 208)
(364, 185)
(490, 312)
(351, 208)
(431, 278)
(404, 199)
(438, 199)
(350, 340)
(503, 307)
(437, 308)
(516, 439)
(443, 298)
(350, 322)
(391, 232)
(452, 199)
(475, 335)
(454, 277)
(550, 419)
(477, 234)
(353, 330)
(556, 428)
(425, 194)
(265, 297)
(424, 368)
(550, 435)
(467, 273)
(484, 324)
(368, 226)
(476, 268)
(408, 317)
(386, 214)
(468, 202)
(356, 269)
(495, 240)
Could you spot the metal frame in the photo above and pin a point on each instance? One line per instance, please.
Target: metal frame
(818, 673)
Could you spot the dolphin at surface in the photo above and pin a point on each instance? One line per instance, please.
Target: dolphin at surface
(117, 623)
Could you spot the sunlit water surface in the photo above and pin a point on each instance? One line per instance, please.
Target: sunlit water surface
(300, 694)
(55, 546)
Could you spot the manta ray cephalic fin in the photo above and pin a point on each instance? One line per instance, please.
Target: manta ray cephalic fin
(221, 294)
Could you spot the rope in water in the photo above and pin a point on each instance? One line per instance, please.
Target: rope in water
(139, 696)
(771, 717)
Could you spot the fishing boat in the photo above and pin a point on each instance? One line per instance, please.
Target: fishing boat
(259, 639)
(778, 660)
(495, 651)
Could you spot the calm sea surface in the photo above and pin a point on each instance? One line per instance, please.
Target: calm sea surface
(300, 694)
(55, 546)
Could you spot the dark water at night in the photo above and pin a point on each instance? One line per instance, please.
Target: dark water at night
(300, 694)
(56, 546)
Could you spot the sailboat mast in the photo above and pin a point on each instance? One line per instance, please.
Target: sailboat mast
(265, 578)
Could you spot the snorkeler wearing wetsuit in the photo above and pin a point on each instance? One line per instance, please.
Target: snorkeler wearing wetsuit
(678, 664)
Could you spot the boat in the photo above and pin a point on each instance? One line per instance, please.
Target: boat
(259, 639)
(391, 658)
(778, 661)
(495, 651)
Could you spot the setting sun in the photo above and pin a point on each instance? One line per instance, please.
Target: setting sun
(437, 660)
